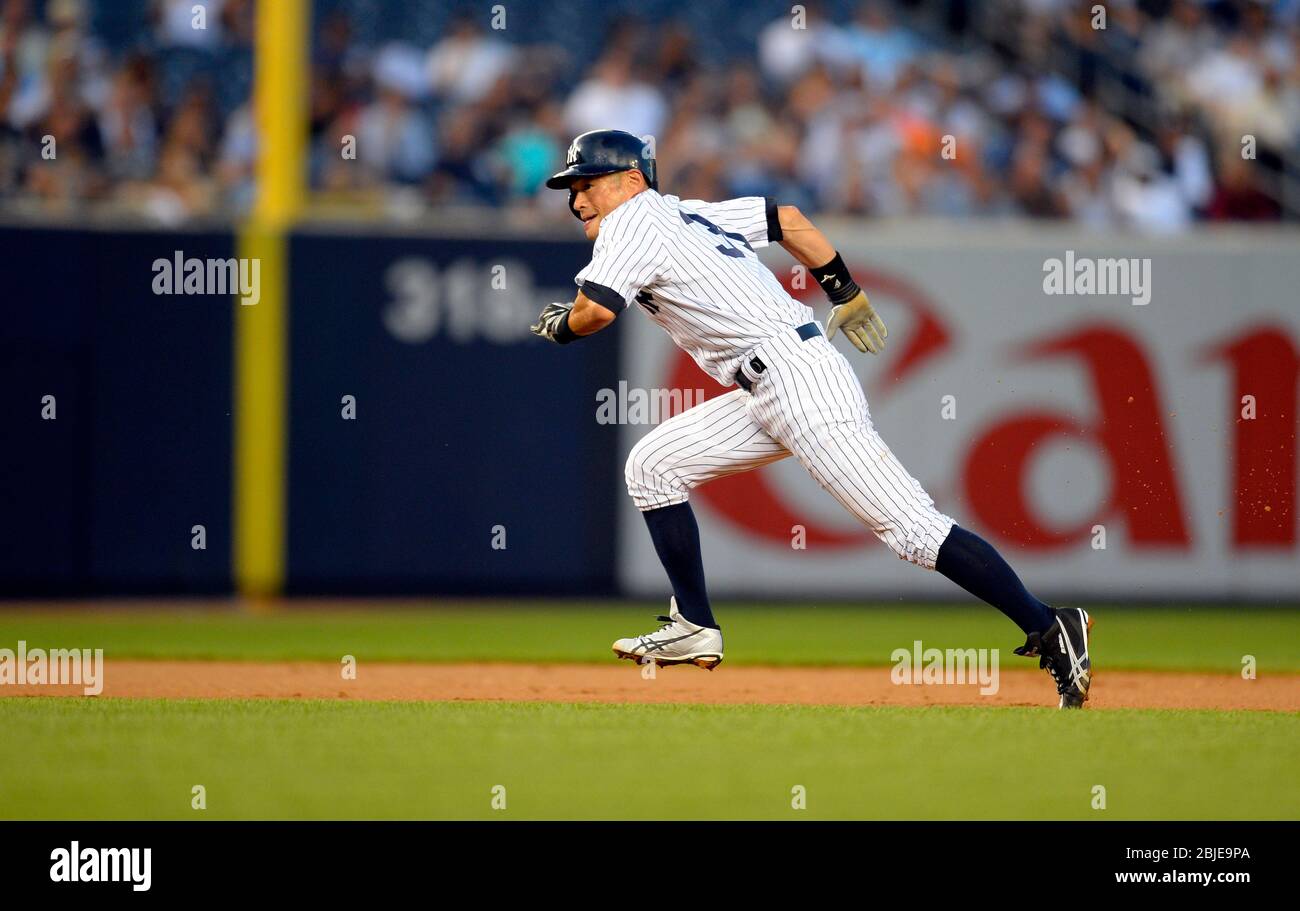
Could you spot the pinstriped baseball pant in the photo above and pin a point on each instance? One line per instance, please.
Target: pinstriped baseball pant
(809, 404)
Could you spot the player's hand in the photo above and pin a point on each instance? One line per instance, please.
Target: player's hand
(549, 321)
(860, 322)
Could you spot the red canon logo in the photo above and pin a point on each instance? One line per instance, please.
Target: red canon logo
(1128, 432)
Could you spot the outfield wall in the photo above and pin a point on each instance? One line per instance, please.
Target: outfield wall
(114, 417)
(481, 460)
(1104, 445)
(474, 463)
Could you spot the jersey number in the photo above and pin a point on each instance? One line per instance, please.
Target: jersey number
(725, 248)
(643, 298)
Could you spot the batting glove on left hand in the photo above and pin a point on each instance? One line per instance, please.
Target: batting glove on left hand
(549, 322)
(860, 322)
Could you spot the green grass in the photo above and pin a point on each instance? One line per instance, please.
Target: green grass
(264, 759)
(1190, 639)
(114, 758)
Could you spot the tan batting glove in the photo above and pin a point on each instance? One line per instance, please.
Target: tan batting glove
(860, 322)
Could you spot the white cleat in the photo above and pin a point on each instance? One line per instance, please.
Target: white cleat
(678, 641)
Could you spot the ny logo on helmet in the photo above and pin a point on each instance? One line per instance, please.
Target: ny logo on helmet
(573, 157)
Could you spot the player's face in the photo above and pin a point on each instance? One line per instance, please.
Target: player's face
(596, 197)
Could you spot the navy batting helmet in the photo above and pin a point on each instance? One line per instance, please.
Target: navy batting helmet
(604, 152)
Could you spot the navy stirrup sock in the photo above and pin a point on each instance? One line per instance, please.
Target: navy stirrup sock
(976, 566)
(677, 541)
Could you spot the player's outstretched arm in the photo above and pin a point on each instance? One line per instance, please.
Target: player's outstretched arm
(564, 323)
(802, 239)
(851, 311)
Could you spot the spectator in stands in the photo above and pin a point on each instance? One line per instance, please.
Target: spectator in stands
(179, 24)
(1034, 192)
(70, 33)
(786, 50)
(24, 56)
(1270, 113)
(127, 122)
(675, 60)
(1146, 197)
(1086, 195)
(1173, 45)
(1188, 158)
(395, 140)
(1227, 77)
(237, 159)
(464, 173)
(237, 19)
(73, 174)
(613, 95)
(848, 116)
(192, 127)
(876, 44)
(180, 190)
(529, 149)
(464, 66)
(1237, 197)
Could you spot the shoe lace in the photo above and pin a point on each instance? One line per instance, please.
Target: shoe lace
(1059, 679)
(1034, 648)
(648, 638)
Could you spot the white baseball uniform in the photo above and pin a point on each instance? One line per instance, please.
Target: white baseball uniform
(691, 265)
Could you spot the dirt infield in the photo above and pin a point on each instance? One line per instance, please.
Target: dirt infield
(624, 683)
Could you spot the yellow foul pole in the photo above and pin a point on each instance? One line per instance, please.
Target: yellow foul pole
(261, 363)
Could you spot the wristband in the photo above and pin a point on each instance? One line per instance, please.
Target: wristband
(836, 282)
(563, 334)
(774, 233)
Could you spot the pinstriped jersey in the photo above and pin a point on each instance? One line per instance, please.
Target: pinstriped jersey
(691, 266)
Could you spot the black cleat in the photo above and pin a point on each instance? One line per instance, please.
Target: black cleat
(1063, 651)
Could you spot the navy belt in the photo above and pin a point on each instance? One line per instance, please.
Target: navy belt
(806, 331)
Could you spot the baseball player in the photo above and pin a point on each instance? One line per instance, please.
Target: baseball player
(691, 267)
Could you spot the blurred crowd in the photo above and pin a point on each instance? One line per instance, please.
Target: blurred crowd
(1174, 111)
(81, 126)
